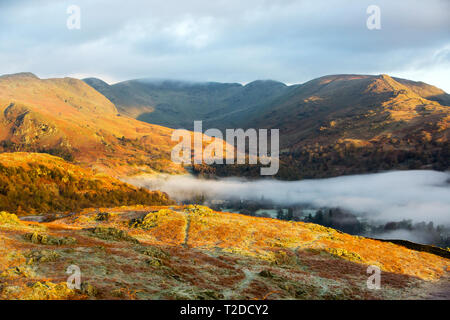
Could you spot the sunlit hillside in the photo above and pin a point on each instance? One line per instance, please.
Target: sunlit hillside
(193, 252)
(347, 124)
(32, 183)
(68, 118)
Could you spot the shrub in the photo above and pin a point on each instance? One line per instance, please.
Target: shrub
(150, 220)
(8, 218)
(38, 238)
(111, 234)
(342, 253)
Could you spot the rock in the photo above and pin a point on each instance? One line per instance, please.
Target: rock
(42, 256)
(266, 274)
(111, 234)
(38, 238)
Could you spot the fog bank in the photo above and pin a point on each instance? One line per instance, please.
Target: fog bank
(419, 195)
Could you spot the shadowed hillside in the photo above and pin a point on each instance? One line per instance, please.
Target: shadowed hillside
(177, 104)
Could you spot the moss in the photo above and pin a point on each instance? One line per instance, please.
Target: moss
(17, 272)
(200, 213)
(319, 228)
(44, 239)
(8, 218)
(124, 293)
(151, 220)
(111, 234)
(154, 252)
(200, 210)
(342, 253)
(283, 258)
(48, 291)
(154, 262)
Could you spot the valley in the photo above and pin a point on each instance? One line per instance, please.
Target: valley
(331, 126)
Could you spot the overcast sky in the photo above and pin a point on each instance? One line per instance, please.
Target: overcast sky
(226, 40)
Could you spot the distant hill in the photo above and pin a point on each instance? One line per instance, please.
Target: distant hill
(176, 104)
(355, 107)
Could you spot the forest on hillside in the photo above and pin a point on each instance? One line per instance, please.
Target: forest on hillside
(39, 188)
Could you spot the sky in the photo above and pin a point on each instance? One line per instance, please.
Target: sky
(226, 40)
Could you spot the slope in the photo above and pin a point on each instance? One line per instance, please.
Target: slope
(346, 124)
(192, 252)
(68, 118)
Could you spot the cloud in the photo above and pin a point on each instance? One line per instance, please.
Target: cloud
(392, 196)
(237, 41)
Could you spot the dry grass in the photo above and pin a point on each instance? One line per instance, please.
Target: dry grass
(196, 253)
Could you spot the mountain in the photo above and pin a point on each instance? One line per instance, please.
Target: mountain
(346, 124)
(330, 126)
(333, 125)
(176, 104)
(354, 107)
(195, 253)
(68, 118)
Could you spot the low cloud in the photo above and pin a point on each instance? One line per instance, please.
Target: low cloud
(228, 41)
(392, 196)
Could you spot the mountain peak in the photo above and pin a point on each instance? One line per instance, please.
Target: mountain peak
(96, 81)
(265, 83)
(20, 75)
(385, 77)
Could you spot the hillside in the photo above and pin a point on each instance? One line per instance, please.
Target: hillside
(348, 124)
(333, 125)
(330, 126)
(32, 183)
(356, 107)
(68, 118)
(193, 252)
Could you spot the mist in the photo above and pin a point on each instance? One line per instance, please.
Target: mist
(418, 195)
(418, 237)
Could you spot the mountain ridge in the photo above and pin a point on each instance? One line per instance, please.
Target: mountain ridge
(329, 126)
